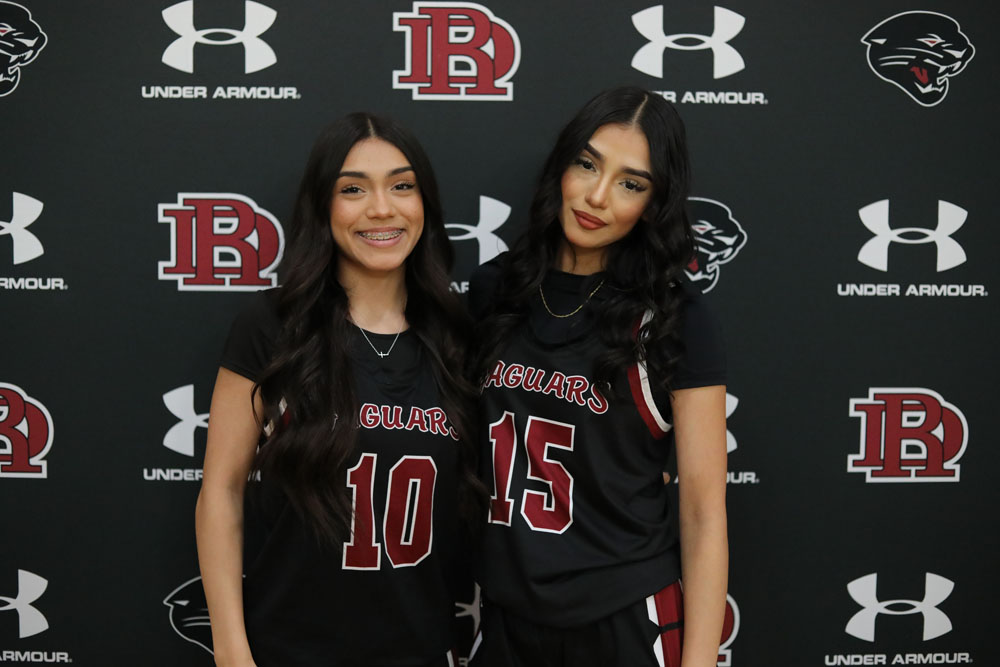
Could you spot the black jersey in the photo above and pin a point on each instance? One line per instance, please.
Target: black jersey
(580, 520)
(387, 596)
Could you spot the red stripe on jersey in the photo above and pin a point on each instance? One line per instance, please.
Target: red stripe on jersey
(638, 397)
(670, 611)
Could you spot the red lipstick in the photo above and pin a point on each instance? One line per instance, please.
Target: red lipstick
(588, 221)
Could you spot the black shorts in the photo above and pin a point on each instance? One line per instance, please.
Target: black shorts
(646, 633)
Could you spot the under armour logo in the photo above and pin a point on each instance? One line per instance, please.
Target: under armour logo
(492, 214)
(25, 210)
(726, 60)
(29, 588)
(875, 253)
(472, 609)
(180, 437)
(936, 623)
(731, 403)
(257, 55)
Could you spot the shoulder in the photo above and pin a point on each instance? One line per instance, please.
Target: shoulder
(252, 335)
(483, 285)
(260, 314)
(698, 315)
(703, 357)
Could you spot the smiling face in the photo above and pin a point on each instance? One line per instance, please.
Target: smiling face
(376, 211)
(604, 193)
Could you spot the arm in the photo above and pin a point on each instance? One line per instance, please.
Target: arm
(700, 436)
(232, 443)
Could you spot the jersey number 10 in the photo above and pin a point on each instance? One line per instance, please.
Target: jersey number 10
(407, 526)
(550, 512)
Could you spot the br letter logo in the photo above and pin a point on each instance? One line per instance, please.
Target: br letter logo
(221, 242)
(908, 435)
(25, 434)
(456, 51)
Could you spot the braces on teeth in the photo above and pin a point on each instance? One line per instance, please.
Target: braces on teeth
(382, 236)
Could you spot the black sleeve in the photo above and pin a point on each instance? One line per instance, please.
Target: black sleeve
(250, 344)
(483, 285)
(703, 354)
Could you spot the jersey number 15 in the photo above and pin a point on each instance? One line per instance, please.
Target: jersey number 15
(551, 511)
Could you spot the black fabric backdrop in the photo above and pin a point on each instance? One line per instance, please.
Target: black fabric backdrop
(95, 337)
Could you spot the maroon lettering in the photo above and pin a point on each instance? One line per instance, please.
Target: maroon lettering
(369, 416)
(392, 416)
(533, 379)
(27, 429)
(221, 242)
(597, 403)
(575, 386)
(513, 375)
(408, 536)
(362, 552)
(476, 64)
(550, 512)
(908, 434)
(417, 420)
(502, 439)
(438, 420)
(556, 385)
(495, 379)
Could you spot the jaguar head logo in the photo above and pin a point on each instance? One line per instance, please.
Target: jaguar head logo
(919, 52)
(718, 239)
(21, 39)
(189, 613)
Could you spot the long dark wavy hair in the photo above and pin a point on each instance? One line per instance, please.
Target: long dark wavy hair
(643, 268)
(306, 452)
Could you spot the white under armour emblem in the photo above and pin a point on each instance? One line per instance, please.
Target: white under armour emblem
(472, 609)
(25, 210)
(180, 437)
(29, 588)
(726, 60)
(936, 623)
(731, 403)
(257, 54)
(492, 214)
(875, 253)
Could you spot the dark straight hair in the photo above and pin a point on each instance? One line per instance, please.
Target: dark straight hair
(643, 268)
(307, 451)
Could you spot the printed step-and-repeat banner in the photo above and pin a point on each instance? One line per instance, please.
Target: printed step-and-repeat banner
(844, 201)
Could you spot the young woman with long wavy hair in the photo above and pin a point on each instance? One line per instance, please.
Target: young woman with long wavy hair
(594, 353)
(340, 398)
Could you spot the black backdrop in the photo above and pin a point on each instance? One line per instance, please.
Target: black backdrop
(105, 358)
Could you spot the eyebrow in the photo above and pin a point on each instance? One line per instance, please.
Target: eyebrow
(628, 170)
(361, 174)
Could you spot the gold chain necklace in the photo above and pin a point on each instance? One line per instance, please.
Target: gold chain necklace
(575, 310)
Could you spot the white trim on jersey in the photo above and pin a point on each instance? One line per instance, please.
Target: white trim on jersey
(655, 618)
(269, 426)
(647, 392)
(475, 645)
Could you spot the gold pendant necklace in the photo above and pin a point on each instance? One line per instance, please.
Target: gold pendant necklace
(575, 310)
